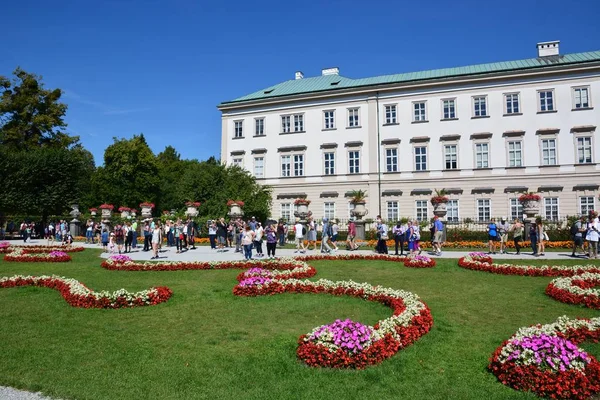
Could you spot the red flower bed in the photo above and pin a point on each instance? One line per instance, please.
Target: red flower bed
(419, 262)
(25, 257)
(40, 249)
(526, 270)
(78, 295)
(576, 290)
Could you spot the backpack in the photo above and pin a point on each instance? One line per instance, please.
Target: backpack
(329, 230)
(303, 230)
(574, 230)
(119, 233)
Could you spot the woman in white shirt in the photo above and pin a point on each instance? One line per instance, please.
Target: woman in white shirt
(593, 235)
(247, 240)
(156, 239)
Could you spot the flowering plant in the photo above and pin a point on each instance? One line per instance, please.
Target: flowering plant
(106, 207)
(440, 197)
(578, 289)
(79, 295)
(133, 210)
(481, 257)
(147, 204)
(165, 212)
(254, 281)
(530, 196)
(22, 255)
(235, 202)
(4, 245)
(93, 209)
(123, 208)
(301, 202)
(526, 270)
(347, 335)
(193, 204)
(57, 254)
(418, 261)
(120, 258)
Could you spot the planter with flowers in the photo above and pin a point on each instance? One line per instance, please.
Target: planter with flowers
(147, 209)
(531, 203)
(235, 208)
(358, 199)
(93, 211)
(106, 210)
(301, 208)
(192, 208)
(439, 203)
(125, 212)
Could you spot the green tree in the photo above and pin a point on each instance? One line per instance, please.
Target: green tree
(170, 171)
(31, 116)
(129, 175)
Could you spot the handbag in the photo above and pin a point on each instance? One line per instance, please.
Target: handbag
(546, 236)
(384, 237)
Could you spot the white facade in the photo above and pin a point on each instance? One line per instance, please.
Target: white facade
(485, 137)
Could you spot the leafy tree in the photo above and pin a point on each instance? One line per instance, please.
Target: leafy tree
(170, 170)
(31, 116)
(129, 175)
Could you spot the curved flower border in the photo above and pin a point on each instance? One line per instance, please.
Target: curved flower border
(78, 295)
(22, 255)
(419, 262)
(578, 289)
(526, 270)
(411, 319)
(576, 383)
(40, 249)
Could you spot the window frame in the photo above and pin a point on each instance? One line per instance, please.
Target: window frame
(281, 211)
(325, 161)
(426, 155)
(332, 120)
(241, 161)
(478, 206)
(485, 103)
(259, 122)
(414, 111)
(261, 157)
(539, 100)
(451, 114)
(475, 153)
(331, 212)
(518, 206)
(589, 97)
(587, 135)
(299, 123)
(541, 146)
(395, 166)
(395, 210)
(289, 166)
(522, 161)
(557, 217)
(350, 112)
(286, 122)
(445, 154)
(419, 205)
(393, 118)
(241, 129)
(450, 208)
(356, 167)
(581, 212)
(512, 111)
(301, 163)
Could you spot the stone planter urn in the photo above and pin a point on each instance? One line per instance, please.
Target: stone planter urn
(133, 213)
(531, 208)
(93, 212)
(359, 210)
(302, 212)
(125, 214)
(439, 209)
(106, 213)
(192, 208)
(146, 209)
(235, 208)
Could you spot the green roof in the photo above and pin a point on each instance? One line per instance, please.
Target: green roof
(337, 82)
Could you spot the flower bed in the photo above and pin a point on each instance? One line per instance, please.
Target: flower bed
(78, 295)
(578, 289)
(411, 319)
(526, 270)
(23, 255)
(545, 359)
(419, 262)
(481, 257)
(39, 248)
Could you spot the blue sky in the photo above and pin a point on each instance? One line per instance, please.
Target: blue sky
(161, 67)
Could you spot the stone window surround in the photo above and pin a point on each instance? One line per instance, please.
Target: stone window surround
(589, 94)
(546, 134)
(450, 140)
(442, 118)
(514, 136)
(583, 134)
(505, 108)
(481, 138)
(384, 111)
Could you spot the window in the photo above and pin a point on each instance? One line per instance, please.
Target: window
(391, 160)
(286, 211)
(420, 112)
(452, 210)
(353, 117)
(586, 204)
(421, 158)
(551, 208)
(329, 163)
(239, 129)
(354, 162)
(392, 211)
(581, 98)
(546, 100)
(484, 209)
(286, 166)
(480, 106)
(299, 123)
(512, 103)
(260, 127)
(238, 162)
(390, 114)
(482, 154)
(584, 150)
(421, 209)
(448, 109)
(451, 156)
(515, 154)
(548, 151)
(516, 209)
(298, 164)
(329, 210)
(259, 167)
(329, 119)
(286, 125)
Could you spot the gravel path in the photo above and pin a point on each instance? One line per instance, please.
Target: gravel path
(7, 393)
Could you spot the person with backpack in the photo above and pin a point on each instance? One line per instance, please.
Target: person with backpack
(271, 234)
(414, 237)
(492, 231)
(576, 231)
(351, 235)
(325, 235)
(503, 229)
(299, 232)
(128, 237)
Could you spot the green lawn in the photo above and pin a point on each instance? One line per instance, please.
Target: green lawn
(206, 343)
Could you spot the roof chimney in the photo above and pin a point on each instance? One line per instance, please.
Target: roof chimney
(546, 49)
(299, 75)
(330, 71)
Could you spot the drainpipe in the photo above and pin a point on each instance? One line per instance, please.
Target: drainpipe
(378, 156)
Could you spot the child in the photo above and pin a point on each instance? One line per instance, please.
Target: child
(104, 240)
(68, 239)
(112, 247)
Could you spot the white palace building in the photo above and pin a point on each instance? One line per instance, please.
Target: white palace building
(485, 133)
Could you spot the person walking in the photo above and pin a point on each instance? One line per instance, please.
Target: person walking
(156, 240)
(382, 234)
(119, 237)
(577, 230)
(593, 234)
(299, 236)
(281, 233)
(271, 234)
(533, 238)
(258, 239)
(334, 234)
(414, 237)
(492, 230)
(517, 231)
(438, 233)
(128, 237)
(311, 236)
(212, 234)
(134, 230)
(191, 233)
(247, 241)
(541, 237)
(238, 228)
(503, 229)
(325, 234)
(147, 235)
(399, 231)
(351, 235)
(179, 237)
(221, 235)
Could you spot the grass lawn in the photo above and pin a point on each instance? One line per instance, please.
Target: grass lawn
(206, 343)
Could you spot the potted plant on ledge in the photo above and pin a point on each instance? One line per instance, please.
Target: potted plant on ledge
(106, 210)
(125, 212)
(439, 203)
(192, 208)
(147, 209)
(358, 199)
(531, 203)
(235, 208)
